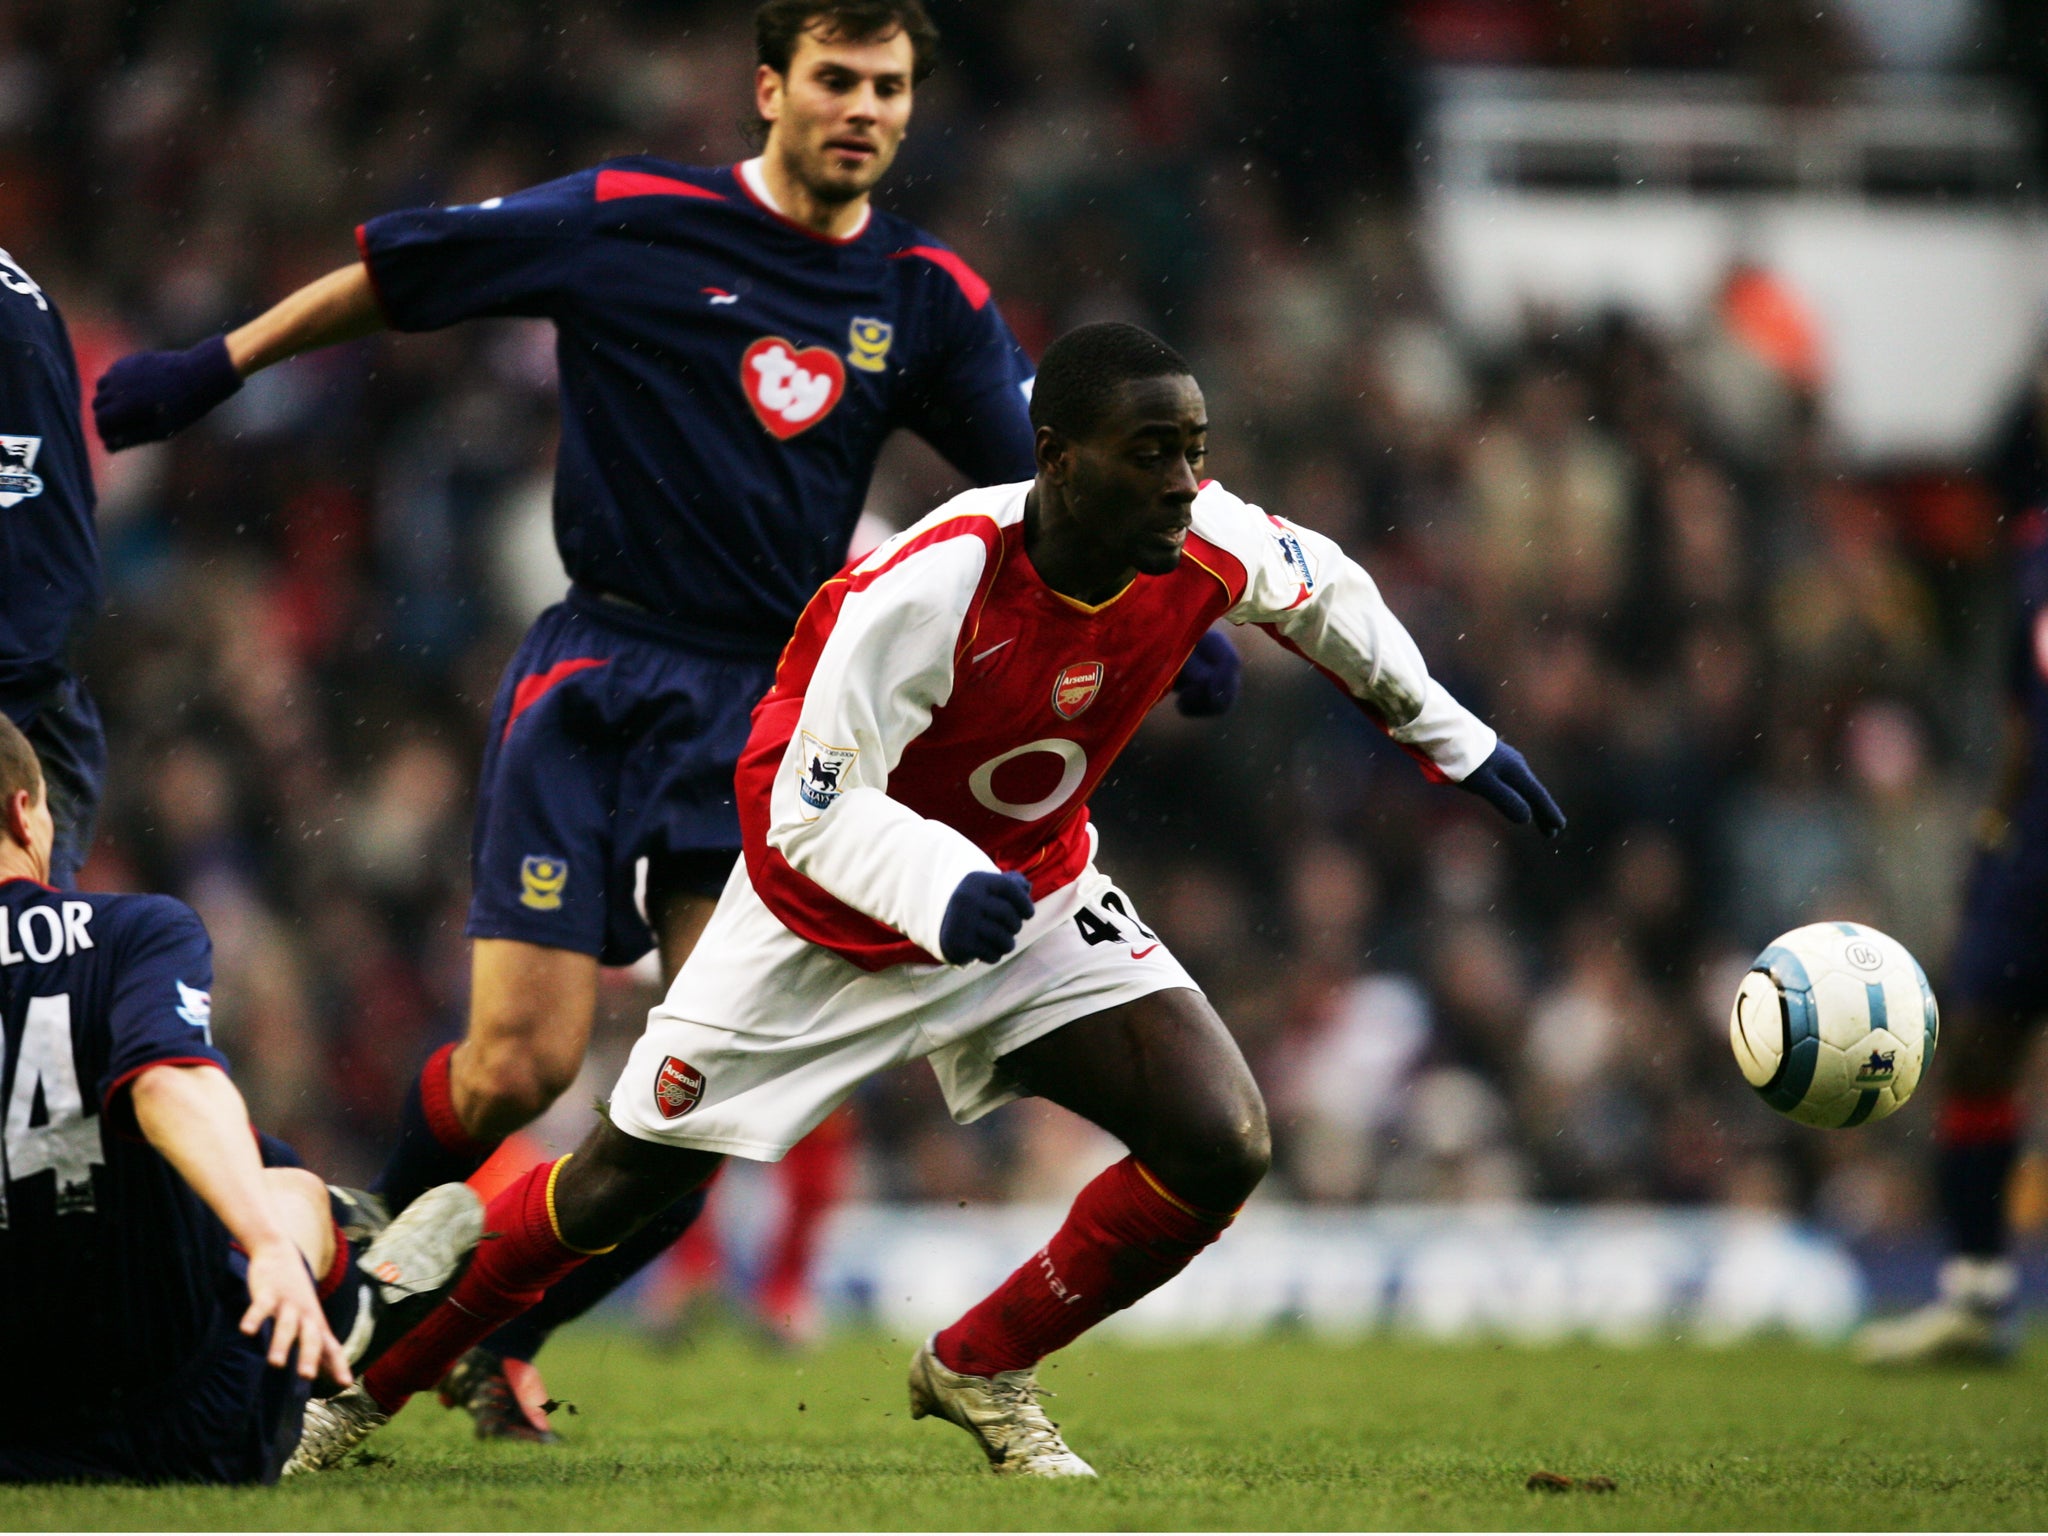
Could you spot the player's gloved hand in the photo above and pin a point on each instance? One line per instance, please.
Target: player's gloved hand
(1208, 679)
(1505, 782)
(148, 396)
(982, 919)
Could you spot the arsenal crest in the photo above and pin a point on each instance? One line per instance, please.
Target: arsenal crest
(1075, 688)
(677, 1088)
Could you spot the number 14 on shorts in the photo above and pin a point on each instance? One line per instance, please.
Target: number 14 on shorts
(1109, 919)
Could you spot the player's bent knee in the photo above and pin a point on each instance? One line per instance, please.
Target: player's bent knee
(500, 1090)
(1217, 1155)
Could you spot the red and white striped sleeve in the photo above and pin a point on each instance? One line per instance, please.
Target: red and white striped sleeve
(1304, 590)
(886, 665)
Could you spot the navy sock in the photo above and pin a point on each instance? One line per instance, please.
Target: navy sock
(432, 1146)
(590, 1283)
(1972, 1180)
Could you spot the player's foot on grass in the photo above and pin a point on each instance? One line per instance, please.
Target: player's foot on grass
(1000, 1411)
(1972, 1322)
(788, 1316)
(506, 1398)
(415, 1261)
(335, 1426)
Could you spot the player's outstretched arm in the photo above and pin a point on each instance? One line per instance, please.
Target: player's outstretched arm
(195, 1117)
(1319, 602)
(149, 396)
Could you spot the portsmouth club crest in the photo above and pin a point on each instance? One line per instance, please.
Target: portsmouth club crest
(18, 479)
(541, 879)
(1075, 688)
(821, 772)
(868, 344)
(677, 1088)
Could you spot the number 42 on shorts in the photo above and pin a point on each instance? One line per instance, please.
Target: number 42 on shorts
(1103, 921)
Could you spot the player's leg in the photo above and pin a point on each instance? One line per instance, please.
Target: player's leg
(1163, 1075)
(540, 906)
(497, 1382)
(1976, 1142)
(813, 1177)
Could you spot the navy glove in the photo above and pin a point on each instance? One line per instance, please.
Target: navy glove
(147, 396)
(1208, 679)
(1505, 782)
(982, 919)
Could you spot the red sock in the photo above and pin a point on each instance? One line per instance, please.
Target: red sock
(337, 1268)
(812, 1175)
(1124, 1238)
(520, 1257)
(437, 1104)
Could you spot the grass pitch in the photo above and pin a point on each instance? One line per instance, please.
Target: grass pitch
(1268, 1435)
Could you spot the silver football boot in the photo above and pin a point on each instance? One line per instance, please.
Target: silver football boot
(1000, 1411)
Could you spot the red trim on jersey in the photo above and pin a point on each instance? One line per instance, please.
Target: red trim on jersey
(775, 213)
(32, 880)
(971, 282)
(120, 1084)
(1423, 760)
(613, 185)
(370, 270)
(531, 689)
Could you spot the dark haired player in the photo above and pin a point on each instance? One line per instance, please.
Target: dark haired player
(1997, 989)
(160, 1316)
(919, 879)
(49, 559)
(735, 344)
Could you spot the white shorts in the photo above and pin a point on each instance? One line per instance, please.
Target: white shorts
(762, 1033)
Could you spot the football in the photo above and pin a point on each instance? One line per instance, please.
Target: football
(1834, 1025)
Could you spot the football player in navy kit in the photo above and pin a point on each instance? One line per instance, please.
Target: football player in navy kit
(1997, 989)
(49, 559)
(166, 1301)
(734, 345)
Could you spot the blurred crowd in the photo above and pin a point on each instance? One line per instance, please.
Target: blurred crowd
(1762, 686)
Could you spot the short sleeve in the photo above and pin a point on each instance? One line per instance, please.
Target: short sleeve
(160, 1001)
(973, 403)
(511, 255)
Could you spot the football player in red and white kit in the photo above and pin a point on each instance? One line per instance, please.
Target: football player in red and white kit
(919, 880)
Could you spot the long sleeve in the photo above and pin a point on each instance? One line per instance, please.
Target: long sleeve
(1316, 600)
(886, 666)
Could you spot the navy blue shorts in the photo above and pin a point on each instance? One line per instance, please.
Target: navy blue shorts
(2001, 953)
(230, 1417)
(610, 744)
(63, 725)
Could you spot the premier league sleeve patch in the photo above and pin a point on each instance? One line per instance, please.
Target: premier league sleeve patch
(1296, 559)
(18, 480)
(821, 773)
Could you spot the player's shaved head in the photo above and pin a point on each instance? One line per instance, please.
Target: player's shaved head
(780, 23)
(1082, 374)
(20, 769)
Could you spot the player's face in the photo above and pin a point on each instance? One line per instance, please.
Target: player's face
(838, 117)
(1132, 483)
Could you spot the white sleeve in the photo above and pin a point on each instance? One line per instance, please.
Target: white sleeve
(886, 666)
(1323, 603)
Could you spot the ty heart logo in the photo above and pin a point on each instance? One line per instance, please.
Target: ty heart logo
(790, 389)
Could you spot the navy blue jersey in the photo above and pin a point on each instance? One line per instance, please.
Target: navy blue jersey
(114, 1276)
(49, 552)
(2028, 677)
(727, 377)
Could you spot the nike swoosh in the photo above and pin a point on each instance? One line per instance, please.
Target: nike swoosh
(1139, 954)
(984, 656)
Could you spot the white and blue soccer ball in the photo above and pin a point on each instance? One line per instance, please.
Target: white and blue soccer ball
(1834, 1025)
